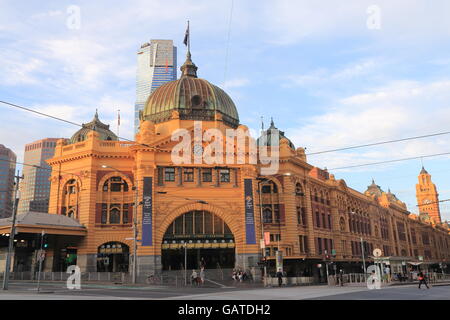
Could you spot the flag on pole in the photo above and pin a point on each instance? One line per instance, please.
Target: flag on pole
(186, 36)
(118, 117)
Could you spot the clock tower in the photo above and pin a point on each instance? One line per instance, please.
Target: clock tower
(427, 196)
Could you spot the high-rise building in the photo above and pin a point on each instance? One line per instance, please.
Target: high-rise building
(156, 65)
(428, 197)
(35, 187)
(7, 169)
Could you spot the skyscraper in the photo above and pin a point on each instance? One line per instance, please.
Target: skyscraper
(156, 65)
(35, 187)
(7, 169)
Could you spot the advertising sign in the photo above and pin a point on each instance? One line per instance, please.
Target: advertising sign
(249, 212)
(147, 206)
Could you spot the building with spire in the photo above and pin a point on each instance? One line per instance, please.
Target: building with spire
(156, 65)
(427, 197)
(193, 213)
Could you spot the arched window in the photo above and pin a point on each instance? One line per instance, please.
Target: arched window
(71, 187)
(267, 215)
(114, 216)
(115, 184)
(342, 224)
(299, 190)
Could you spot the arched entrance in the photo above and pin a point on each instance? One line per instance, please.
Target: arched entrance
(113, 257)
(201, 238)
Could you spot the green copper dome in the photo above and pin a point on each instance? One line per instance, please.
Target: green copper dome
(193, 98)
(95, 125)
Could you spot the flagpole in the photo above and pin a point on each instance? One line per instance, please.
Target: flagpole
(118, 122)
(189, 39)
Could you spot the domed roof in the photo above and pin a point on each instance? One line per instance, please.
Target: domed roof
(266, 139)
(192, 97)
(374, 189)
(95, 125)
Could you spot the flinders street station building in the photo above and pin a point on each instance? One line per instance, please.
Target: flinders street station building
(106, 193)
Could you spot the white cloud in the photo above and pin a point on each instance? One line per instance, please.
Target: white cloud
(398, 110)
(322, 76)
(236, 83)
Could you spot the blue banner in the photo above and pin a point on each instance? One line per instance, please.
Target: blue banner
(147, 206)
(249, 212)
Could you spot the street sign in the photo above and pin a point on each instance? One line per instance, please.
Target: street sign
(377, 252)
(262, 244)
(41, 255)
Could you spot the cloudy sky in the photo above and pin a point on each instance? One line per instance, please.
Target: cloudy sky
(331, 75)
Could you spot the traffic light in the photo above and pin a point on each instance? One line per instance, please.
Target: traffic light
(45, 241)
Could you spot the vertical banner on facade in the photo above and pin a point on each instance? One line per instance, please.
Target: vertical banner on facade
(147, 206)
(267, 238)
(249, 212)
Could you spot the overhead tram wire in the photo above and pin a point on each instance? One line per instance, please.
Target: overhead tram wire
(228, 43)
(380, 143)
(391, 161)
(312, 153)
(61, 119)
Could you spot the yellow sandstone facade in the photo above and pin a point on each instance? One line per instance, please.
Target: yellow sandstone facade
(219, 213)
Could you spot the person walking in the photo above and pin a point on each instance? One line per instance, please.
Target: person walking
(422, 279)
(280, 277)
(194, 277)
(202, 275)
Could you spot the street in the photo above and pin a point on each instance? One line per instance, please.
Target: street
(58, 291)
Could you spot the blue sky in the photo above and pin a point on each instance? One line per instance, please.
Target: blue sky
(314, 66)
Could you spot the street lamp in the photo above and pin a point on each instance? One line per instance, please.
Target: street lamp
(135, 229)
(362, 249)
(12, 234)
(260, 180)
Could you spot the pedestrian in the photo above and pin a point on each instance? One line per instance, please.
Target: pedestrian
(280, 277)
(194, 277)
(202, 276)
(341, 277)
(422, 279)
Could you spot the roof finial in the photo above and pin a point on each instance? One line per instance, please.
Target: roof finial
(96, 114)
(188, 68)
(271, 122)
(262, 123)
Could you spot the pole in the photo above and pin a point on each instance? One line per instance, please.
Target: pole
(185, 264)
(135, 235)
(40, 261)
(12, 234)
(262, 233)
(364, 261)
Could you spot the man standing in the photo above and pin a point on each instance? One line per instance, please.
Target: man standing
(280, 277)
(422, 279)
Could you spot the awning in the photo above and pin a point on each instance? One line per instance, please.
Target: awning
(36, 222)
(415, 263)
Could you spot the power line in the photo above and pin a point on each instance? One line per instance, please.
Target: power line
(420, 205)
(228, 43)
(380, 143)
(61, 119)
(36, 166)
(390, 161)
(41, 113)
(313, 153)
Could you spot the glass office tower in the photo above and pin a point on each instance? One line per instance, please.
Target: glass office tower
(7, 171)
(35, 187)
(156, 65)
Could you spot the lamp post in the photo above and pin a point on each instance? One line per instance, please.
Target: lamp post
(362, 250)
(12, 234)
(135, 229)
(260, 180)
